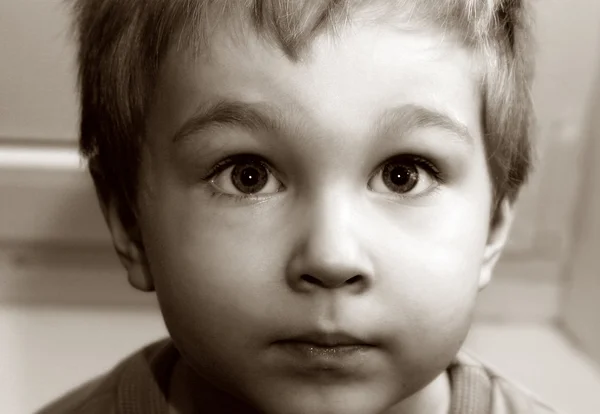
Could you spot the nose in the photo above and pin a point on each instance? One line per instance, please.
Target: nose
(331, 251)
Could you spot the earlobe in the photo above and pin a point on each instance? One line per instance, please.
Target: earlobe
(129, 248)
(497, 238)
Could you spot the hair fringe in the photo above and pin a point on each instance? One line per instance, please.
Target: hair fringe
(123, 42)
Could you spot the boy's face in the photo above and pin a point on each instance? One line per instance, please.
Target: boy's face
(317, 231)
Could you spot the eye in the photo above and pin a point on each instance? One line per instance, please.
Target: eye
(405, 175)
(245, 176)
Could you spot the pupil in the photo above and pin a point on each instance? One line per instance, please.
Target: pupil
(400, 178)
(249, 178)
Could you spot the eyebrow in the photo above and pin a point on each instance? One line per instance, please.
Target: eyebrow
(399, 120)
(238, 114)
(406, 118)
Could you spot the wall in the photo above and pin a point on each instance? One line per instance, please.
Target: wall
(49, 200)
(58, 274)
(37, 92)
(581, 296)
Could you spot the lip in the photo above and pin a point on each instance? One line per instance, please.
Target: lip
(336, 353)
(328, 340)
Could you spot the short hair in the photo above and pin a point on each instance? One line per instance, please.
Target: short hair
(122, 43)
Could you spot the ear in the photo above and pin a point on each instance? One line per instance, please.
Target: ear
(129, 248)
(497, 237)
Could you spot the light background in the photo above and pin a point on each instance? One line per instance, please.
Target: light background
(67, 313)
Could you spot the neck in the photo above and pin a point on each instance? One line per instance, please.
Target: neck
(189, 394)
(433, 399)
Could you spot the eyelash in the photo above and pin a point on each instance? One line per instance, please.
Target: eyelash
(418, 160)
(224, 164)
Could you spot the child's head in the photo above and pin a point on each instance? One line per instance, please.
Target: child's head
(292, 175)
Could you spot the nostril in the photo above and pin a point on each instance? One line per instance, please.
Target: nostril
(354, 280)
(311, 280)
(323, 282)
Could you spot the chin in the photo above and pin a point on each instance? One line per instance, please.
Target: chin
(338, 401)
(312, 407)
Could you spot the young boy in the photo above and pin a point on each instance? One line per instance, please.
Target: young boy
(316, 191)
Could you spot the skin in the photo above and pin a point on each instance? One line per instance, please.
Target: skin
(326, 246)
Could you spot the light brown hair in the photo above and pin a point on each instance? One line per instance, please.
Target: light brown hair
(121, 44)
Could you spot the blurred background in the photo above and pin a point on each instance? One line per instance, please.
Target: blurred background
(67, 312)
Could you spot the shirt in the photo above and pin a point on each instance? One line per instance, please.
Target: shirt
(139, 385)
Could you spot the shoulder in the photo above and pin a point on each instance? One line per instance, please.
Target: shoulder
(510, 398)
(92, 394)
(101, 395)
(479, 385)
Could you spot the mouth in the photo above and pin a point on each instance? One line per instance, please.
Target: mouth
(328, 340)
(320, 352)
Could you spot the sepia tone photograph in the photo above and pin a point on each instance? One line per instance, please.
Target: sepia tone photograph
(300, 206)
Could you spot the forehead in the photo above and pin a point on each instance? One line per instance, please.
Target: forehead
(292, 25)
(347, 81)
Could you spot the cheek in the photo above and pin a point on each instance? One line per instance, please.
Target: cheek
(429, 298)
(206, 264)
(434, 266)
